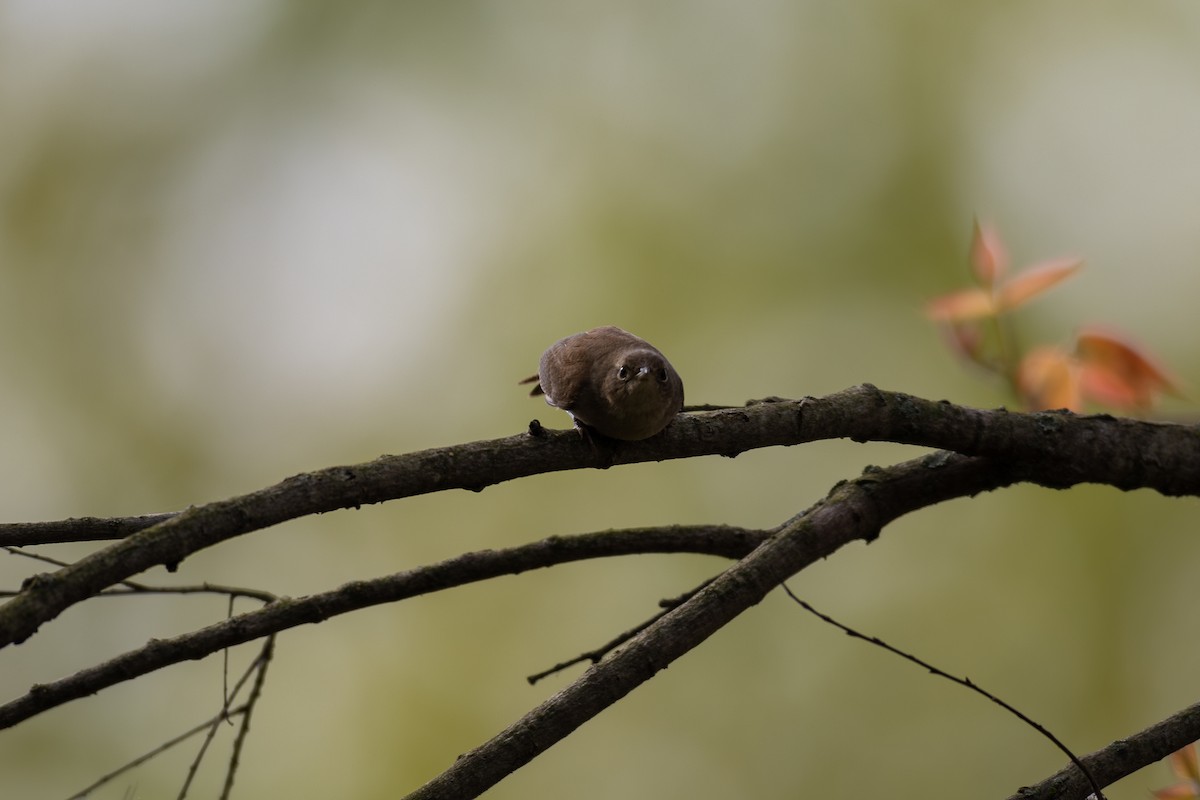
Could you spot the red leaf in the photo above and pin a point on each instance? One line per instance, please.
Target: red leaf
(1119, 373)
(1110, 389)
(964, 304)
(1031, 282)
(1183, 762)
(1180, 791)
(988, 259)
(1047, 379)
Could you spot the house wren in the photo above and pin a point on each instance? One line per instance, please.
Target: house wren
(610, 382)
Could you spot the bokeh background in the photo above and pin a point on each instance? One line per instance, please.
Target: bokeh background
(241, 240)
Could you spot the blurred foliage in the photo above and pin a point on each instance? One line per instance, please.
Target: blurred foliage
(241, 240)
(1103, 366)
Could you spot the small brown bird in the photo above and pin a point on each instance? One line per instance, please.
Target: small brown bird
(610, 382)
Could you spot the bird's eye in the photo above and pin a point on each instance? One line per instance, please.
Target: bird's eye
(623, 373)
(662, 376)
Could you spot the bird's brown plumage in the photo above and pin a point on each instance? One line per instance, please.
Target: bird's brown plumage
(610, 381)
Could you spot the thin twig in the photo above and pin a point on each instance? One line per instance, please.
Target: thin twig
(225, 699)
(17, 551)
(965, 682)
(264, 659)
(194, 767)
(600, 652)
(257, 666)
(133, 587)
(226, 713)
(594, 656)
(162, 748)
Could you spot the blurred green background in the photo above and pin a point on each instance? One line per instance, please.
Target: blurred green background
(244, 240)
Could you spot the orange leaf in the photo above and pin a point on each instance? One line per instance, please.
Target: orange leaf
(1184, 764)
(1180, 791)
(1119, 373)
(1035, 280)
(1110, 389)
(961, 305)
(1046, 379)
(988, 258)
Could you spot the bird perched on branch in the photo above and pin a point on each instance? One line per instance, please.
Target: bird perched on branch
(610, 382)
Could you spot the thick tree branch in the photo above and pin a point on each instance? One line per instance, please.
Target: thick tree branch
(853, 510)
(282, 614)
(1051, 449)
(1123, 453)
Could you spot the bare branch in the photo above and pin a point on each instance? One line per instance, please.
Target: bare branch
(718, 540)
(966, 683)
(132, 588)
(260, 679)
(1119, 759)
(853, 510)
(157, 751)
(600, 652)
(993, 449)
(257, 668)
(77, 529)
(1065, 449)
